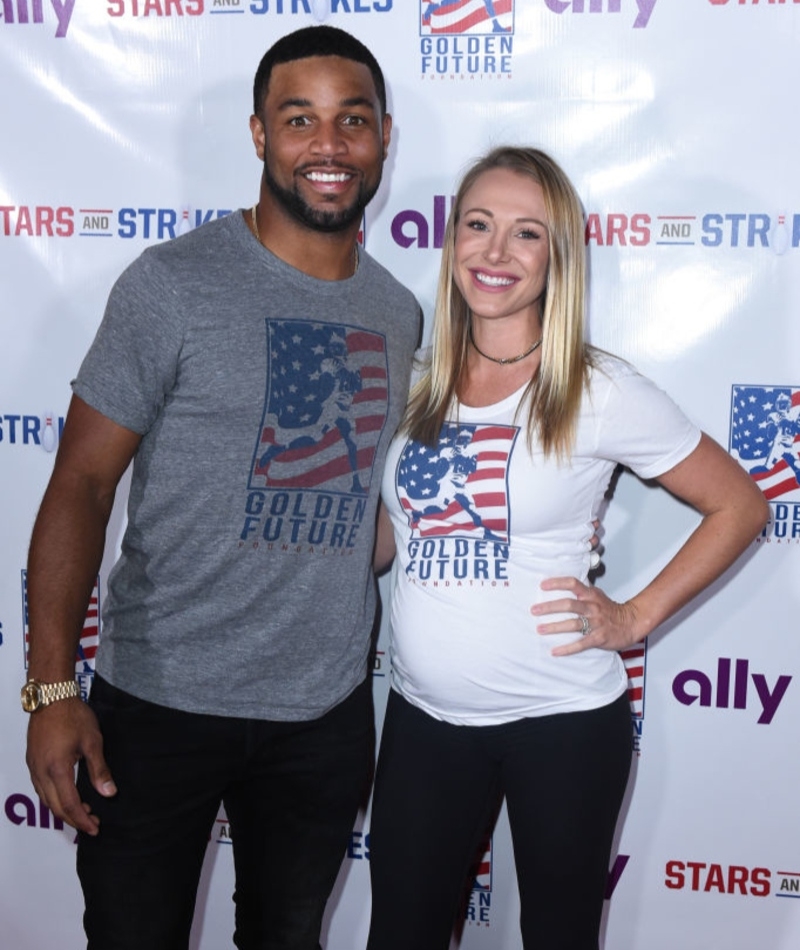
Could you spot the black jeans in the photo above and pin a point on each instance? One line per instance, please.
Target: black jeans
(291, 791)
(436, 791)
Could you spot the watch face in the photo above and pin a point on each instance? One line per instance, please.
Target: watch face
(31, 697)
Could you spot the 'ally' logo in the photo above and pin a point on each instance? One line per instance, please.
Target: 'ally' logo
(87, 645)
(32, 11)
(692, 685)
(765, 437)
(615, 873)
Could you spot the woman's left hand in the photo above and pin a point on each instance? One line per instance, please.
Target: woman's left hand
(605, 624)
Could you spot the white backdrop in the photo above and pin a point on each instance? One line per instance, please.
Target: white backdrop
(675, 118)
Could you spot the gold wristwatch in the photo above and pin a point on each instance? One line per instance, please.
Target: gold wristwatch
(35, 694)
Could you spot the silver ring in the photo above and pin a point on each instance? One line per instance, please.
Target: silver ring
(585, 625)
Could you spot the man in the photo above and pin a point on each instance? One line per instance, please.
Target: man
(233, 661)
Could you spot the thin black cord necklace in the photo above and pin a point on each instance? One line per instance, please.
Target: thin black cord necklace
(508, 359)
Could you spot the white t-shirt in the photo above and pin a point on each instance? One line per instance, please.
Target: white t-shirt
(480, 522)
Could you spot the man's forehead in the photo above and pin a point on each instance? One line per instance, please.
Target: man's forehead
(316, 77)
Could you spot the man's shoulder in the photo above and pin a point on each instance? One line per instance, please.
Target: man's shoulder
(207, 239)
(194, 255)
(192, 249)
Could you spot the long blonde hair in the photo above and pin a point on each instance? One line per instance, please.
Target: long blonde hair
(553, 396)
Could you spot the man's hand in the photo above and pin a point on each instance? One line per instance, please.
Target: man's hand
(59, 736)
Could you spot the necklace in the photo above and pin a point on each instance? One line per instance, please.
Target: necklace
(508, 359)
(254, 218)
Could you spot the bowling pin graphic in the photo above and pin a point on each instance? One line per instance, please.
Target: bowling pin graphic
(184, 225)
(779, 236)
(321, 9)
(48, 433)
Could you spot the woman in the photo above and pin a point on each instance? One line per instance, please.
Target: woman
(509, 441)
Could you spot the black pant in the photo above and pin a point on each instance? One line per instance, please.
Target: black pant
(436, 789)
(291, 791)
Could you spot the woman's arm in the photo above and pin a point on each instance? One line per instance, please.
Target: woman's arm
(734, 511)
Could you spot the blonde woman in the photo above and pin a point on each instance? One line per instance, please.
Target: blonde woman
(506, 675)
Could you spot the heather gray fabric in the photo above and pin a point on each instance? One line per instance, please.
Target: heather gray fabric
(266, 400)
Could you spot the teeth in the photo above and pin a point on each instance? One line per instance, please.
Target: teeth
(494, 281)
(327, 177)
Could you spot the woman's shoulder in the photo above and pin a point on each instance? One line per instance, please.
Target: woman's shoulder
(617, 386)
(613, 381)
(606, 369)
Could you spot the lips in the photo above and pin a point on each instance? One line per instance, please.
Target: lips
(327, 178)
(493, 281)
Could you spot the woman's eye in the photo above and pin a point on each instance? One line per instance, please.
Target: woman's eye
(476, 225)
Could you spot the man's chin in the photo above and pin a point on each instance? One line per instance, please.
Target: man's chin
(332, 222)
(319, 218)
(323, 217)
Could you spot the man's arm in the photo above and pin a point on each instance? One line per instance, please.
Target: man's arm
(384, 542)
(65, 554)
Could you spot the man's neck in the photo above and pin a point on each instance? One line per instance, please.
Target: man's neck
(321, 254)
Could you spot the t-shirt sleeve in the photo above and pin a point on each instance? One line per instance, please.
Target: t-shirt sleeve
(641, 427)
(132, 363)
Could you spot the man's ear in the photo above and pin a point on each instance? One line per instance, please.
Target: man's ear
(387, 135)
(259, 134)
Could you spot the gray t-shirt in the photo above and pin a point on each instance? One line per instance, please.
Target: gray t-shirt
(266, 400)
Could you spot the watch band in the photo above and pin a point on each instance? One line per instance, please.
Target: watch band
(35, 694)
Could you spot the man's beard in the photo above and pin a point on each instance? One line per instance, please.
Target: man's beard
(318, 219)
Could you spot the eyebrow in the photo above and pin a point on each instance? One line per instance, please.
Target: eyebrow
(296, 102)
(490, 215)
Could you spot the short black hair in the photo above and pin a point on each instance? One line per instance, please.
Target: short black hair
(315, 41)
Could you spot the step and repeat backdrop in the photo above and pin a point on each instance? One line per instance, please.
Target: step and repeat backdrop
(125, 122)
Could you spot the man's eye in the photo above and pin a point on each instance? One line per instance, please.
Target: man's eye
(355, 120)
(299, 120)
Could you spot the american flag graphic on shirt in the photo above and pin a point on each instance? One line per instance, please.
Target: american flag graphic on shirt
(466, 16)
(324, 408)
(458, 488)
(90, 633)
(765, 434)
